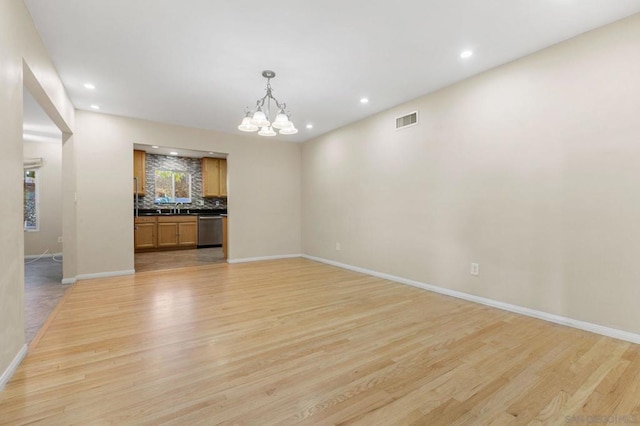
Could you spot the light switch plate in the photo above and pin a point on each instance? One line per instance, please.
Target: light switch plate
(475, 269)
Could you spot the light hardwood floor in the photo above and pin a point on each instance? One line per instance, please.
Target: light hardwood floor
(297, 342)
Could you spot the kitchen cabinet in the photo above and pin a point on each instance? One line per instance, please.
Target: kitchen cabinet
(177, 232)
(139, 171)
(214, 177)
(165, 232)
(223, 177)
(145, 233)
(225, 238)
(188, 234)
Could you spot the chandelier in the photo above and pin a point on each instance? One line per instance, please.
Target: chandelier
(259, 117)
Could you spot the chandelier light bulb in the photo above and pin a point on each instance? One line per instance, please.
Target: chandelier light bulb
(267, 131)
(247, 125)
(281, 121)
(260, 119)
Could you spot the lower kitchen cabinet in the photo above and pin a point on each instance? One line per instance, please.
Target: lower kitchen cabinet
(166, 232)
(188, 234)
(144, 233)
(177, 231)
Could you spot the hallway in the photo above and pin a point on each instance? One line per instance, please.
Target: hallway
(42, 292)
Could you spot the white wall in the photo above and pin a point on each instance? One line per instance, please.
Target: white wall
(19, 45)
(263, 181)
(530, 169)
(50, 198)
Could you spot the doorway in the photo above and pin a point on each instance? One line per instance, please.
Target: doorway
(42, 153)
(171, 181)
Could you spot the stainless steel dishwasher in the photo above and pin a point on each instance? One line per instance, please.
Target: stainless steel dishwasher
(209, 231)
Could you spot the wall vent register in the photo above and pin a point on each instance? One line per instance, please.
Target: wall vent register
(407, 120)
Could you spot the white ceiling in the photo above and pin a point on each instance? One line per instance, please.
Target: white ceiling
(198, 62)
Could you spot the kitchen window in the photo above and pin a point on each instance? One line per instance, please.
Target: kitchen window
(172, 187)
(31, 200)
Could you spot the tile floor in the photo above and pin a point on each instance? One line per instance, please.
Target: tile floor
(161, 260)
(42, 292)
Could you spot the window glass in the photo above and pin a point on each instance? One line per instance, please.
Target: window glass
(30, 200)
(172, 187)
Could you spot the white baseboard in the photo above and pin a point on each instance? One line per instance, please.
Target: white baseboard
(557, 319)
(103, 275)
(257, 259)
(40, 256)
(11, 369)
(68, 280)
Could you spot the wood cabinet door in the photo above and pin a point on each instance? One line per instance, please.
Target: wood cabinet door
(225, 238)
(139, 171)
(167, 234)
(223, 177)
(210, 177)
(144, 235)
(188, 234)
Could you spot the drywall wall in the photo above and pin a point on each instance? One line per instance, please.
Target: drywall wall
(20, 48)
(530, 170)
(49, 189)
(263, 184)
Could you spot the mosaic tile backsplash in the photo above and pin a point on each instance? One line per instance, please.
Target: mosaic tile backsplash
(155, 162)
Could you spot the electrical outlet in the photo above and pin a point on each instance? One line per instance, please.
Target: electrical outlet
(60, 239)
(475, 269)
(338, 246)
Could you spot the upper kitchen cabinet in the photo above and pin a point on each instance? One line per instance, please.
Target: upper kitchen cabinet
(214, 177)
(138, 172)
(223, 177)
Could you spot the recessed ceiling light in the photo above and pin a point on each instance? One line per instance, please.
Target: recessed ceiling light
(466, 54)
(364, 101)
(173, 153)
(155, 146)
(89, 86)
(210, 152)
(309, 126)
(95, 107)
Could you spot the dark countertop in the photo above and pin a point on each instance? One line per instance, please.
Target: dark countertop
(183, 212)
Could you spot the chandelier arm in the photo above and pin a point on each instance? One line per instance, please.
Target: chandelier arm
(260, 102)
(281, 106)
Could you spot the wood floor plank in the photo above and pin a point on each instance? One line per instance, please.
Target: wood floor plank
(297, 342)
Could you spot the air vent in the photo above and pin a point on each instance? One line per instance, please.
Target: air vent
(407, 120)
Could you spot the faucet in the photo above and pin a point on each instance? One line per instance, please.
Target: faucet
(178, 204)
